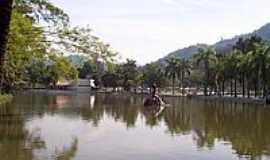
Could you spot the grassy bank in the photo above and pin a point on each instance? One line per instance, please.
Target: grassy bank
(4, 98)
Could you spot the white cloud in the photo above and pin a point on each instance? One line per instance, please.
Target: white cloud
(169, 1)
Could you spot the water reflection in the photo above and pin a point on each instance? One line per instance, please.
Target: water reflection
(244, 127)
(67, 153)
(15, 141)
(92, 101)
(18, 143)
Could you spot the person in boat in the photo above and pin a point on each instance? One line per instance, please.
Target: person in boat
(153, 99)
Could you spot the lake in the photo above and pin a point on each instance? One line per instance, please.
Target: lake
(41, 126)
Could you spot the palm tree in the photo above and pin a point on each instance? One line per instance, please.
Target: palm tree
(243, 66)
(206, 56)
(261, 60)
(245, 48)
(5, 16)
(172, 70)
(184, 68)
(220, 74)
(231, 71)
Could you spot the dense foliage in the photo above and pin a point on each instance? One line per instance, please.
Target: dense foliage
(244, 69)
(36, 52)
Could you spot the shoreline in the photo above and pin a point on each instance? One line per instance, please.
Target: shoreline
(244, 100)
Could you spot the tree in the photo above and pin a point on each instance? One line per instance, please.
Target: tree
(63, 37)
(42, 10)
(231, 71)
(153, 74)
(172, 70)
(22, 48)
(30, 48)
(81, 40)
(206, 56)
(244, 48)
(261, 61)
(110, 80)
(243, 67)
(220, 74)
(5, 16)
(59, 69)
(36, 71)
(38, 8)
(184, 68)
(128, 73)
(86, 70)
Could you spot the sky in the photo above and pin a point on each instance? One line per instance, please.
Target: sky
(146, 30)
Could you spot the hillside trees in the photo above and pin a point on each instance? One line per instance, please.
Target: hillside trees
(247, 65)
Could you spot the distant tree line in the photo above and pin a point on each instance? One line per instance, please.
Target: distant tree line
(244, 70)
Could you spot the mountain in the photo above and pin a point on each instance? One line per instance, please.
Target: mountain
(221, 46)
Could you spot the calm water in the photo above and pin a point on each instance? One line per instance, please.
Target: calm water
(111, 127)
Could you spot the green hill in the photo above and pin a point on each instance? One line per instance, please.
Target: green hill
(221, 46)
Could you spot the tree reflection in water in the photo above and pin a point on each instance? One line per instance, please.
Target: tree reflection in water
(245, 127)
(68, 153)
(17, 143)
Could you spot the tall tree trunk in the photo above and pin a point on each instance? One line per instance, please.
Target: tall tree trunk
(248, 89)
(182, 83)
(264, 79)
(235, 87)
(207, 75)
(255, 88)
(217, 88)
(5, 17)
(243, 86)
(205, 89)
(173, 87)
(231, 87)
(223, 88)
(207, 81)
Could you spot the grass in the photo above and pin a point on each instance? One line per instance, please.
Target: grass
(4, 98)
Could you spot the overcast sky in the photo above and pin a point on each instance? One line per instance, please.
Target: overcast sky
(146, 30)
